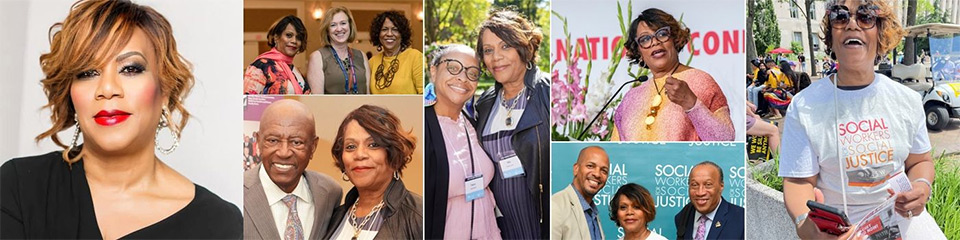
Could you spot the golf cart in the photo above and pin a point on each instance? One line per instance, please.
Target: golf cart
(939, 83)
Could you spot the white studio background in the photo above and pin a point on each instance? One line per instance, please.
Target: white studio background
(717, 29)
(208, 34)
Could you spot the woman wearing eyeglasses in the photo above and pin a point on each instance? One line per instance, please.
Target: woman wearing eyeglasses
(398, 68)
(851, 137)
(458, 170)
(681, 103)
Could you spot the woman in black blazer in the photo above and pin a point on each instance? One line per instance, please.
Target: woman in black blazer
(113, 75)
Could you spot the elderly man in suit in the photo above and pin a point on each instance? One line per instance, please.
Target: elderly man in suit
(281, 199)
(708, 215)
(573, 213)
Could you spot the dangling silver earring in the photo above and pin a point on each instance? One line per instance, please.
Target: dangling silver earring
(73, 144)
(343, 175)
(76, 132)
(529, 65)
(396, 175)
(164, 123)
(379, 49)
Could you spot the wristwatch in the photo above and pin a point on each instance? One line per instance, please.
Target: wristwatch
(800, 218)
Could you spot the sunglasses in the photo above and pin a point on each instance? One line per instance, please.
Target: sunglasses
(646, 41)
(866, 16)
(473, 73)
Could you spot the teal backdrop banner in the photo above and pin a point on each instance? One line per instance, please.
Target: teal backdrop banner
(661, 168)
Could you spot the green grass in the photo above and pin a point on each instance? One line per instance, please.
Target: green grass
(945, 203)
(944, 206)
(769, 177)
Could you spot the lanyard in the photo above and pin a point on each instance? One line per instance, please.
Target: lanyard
(469, 146)
(346, 77)
(473, 204)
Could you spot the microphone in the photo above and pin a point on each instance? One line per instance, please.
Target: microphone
(605, 105)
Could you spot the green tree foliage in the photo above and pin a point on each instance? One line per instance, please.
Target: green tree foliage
(766, 32)
(796, 47)
(927, 12)
(538, 12)
(456, 21)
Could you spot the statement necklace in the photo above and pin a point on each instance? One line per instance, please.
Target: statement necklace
(385, 79)
(657, 100)
(353, 217)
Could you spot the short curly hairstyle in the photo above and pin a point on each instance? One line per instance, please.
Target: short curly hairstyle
(515, 30)
(385, 129)
(888, 26)
(281, 25)
(399, 20)
(635, 193)
(92, 33)
(655, 18)
(328, 18)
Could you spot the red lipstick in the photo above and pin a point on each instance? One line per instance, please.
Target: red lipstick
(110, 117)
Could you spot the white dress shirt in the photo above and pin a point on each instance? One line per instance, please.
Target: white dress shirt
(709, 222)
(279, 209)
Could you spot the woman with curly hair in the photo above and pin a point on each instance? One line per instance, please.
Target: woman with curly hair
(849, 138)
(397, 69)
(681, 103)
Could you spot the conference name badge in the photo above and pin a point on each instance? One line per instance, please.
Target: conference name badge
(474, 187)
(511, 167)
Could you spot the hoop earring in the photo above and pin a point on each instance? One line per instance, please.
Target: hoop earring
(164, 123)
(396, 175)
(529, 65)
(73, 145)
(641, 63)
(343, 175)
(379, 48)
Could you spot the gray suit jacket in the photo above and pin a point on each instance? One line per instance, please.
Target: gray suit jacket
(258, 221)
(566, 216)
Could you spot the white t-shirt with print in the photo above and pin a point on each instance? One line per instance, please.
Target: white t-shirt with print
(875, 128)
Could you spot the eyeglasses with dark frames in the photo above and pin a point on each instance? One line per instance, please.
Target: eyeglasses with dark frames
(473, 73)
(661, 35)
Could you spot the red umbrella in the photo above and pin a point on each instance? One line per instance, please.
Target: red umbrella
(781, 50)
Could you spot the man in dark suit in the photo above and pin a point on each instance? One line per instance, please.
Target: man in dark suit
(281, 199)
(708, 215)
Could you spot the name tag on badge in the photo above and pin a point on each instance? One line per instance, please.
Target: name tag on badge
(511, 167)
(474, 187)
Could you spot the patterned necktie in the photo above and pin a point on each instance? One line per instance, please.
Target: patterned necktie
(294, 230)
(702, 222)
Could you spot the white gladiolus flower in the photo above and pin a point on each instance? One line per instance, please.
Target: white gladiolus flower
(598, 94)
